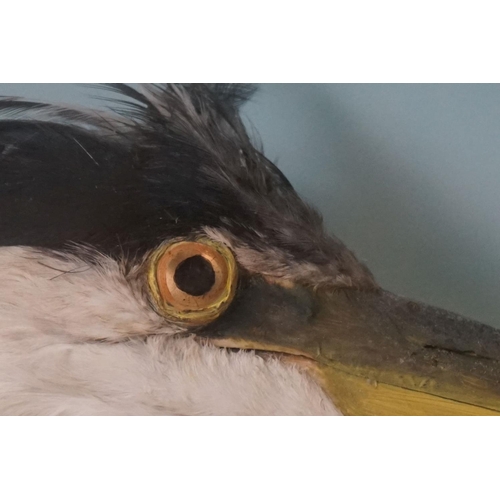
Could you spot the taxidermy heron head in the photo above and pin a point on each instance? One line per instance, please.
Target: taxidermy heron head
(154, 261)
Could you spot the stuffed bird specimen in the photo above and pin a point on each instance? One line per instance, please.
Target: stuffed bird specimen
(154, 262)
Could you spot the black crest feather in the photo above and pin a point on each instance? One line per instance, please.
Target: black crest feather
(169, 159)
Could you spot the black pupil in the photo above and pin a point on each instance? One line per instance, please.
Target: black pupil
(195, 276)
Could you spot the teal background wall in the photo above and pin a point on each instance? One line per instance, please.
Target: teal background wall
(407, 175)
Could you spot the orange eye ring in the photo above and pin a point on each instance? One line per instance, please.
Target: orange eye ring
(177, 303)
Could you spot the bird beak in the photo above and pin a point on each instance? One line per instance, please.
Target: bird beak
(378, 354)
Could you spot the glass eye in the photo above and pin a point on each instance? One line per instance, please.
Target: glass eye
(192, 281)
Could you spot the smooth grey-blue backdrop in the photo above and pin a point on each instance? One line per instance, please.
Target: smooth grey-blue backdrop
(407, 175)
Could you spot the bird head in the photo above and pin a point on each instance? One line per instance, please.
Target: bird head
(154, 260)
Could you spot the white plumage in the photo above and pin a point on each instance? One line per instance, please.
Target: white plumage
(64, 351)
